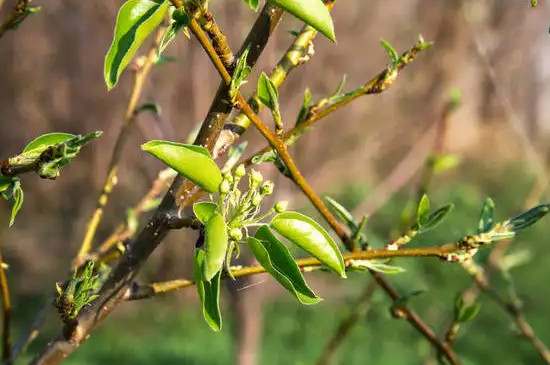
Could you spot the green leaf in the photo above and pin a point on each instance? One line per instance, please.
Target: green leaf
(487, 216)
(423, 211)
(39, 144)
(313, 12)
(436, 217)
(527, 218)
(180, 20)
(343, 214)
(241, 72)
(305, 108)
(252, 3)
(193, 162)
(445, 162)
(307, 234)
(17, 202)
(5, 182)
(468, 313)
(215, 246)
(149, 106)
(204, 211)
(269, 156)
(135, 21)
(277, 260)
(209, 293)
(375, 265)
(391, 51)
(267, 92)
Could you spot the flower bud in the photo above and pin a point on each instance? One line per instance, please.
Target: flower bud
(267, 188)
(256, 200)
(240, 171)
(255, 177)
(235, 234)
(281, 206)
(224, 187)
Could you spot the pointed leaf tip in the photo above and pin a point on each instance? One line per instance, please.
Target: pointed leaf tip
(313, 12)
(193, 162)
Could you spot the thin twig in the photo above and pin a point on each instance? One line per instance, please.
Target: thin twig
(141, 70)
(299, 180)
(6, 315)
(156, 229)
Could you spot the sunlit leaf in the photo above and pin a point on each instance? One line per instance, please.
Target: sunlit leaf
(486, 217)
(17, 202)
(39, 144)
(391, 51)
(193, 162)
(267, 92)
(313, 12)
(215, 246)
(136, 19)
(277, 260)
(307, 234)
(374, 265)
(423, 211)
(252, 3)
(209, 293)
(204, 211)
(343, 214)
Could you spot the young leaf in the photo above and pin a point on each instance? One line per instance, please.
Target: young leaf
(307, 234)
(39, 144)
(180, 20)
(313, 12)
(486, 218)
(305, 108)
(204, 211)
(391, 51)
(17, 202)
(252, 3)
(423, 211)
(527, 218)
(215, 246)
(436, 217)
(135, 21)
(468, 313)
(374, 265)
(267, 92)
(241, 72)
(277, 260)
(209, 293)
(150, 106)
(193, 162)
(343, 214)
(445, 162)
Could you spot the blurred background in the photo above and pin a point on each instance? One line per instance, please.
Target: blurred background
(369, 156)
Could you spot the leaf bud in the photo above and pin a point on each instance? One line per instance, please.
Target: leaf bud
(267, 188)
(225, 187)
(235, 234)
(281, 206)
(240, 171)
